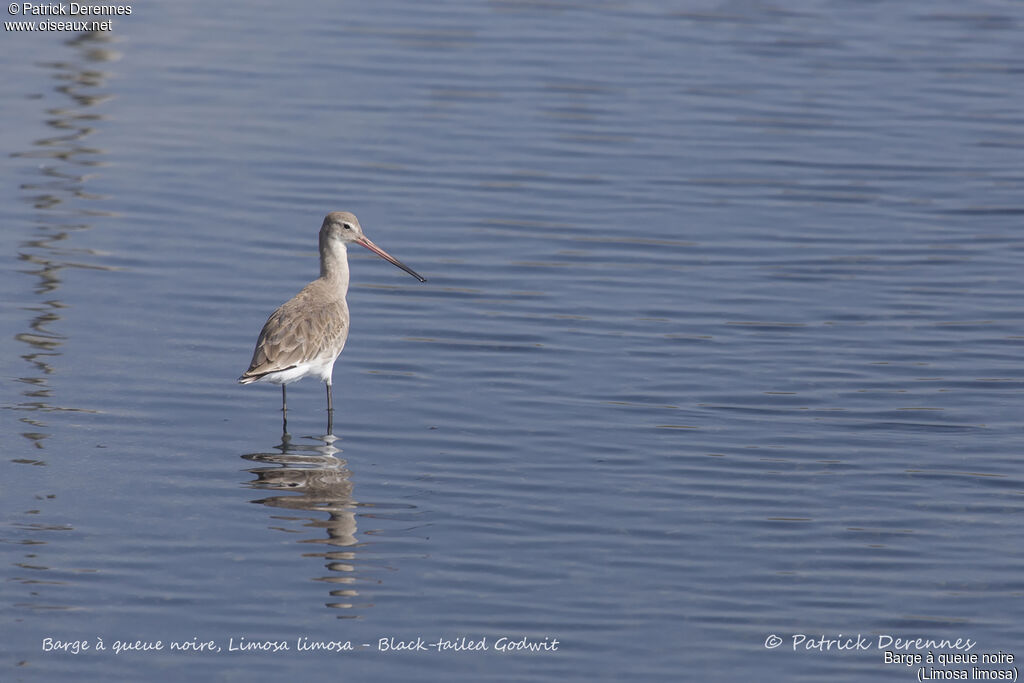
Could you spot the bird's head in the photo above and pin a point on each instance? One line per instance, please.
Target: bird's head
(344, 227)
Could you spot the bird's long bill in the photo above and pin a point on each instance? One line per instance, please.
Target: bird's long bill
(365, 241)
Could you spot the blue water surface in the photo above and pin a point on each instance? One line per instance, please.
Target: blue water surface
(720, 343)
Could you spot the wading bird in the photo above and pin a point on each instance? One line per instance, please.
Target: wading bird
(306, 334)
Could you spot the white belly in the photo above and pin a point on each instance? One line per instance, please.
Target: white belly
(319, 367)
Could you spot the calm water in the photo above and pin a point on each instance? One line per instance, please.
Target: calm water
(721, 338)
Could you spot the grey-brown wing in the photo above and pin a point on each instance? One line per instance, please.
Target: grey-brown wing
(298, 331)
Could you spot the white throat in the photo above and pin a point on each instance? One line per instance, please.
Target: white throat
(334, 263)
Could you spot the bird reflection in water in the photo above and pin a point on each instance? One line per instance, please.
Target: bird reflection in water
(310, 477)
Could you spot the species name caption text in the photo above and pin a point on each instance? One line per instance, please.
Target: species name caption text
(943, 659)
(995, 666)
(243, 644)
(54, 14)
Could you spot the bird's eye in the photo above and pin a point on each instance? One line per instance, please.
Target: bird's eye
(346, 226)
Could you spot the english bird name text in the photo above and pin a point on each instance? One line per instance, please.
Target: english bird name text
(464, 644)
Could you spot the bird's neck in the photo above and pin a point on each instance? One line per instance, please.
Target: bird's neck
(334, 264)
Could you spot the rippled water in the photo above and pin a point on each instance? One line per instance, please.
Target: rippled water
(721, 338)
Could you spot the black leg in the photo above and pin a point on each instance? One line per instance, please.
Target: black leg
(330, 410)
(284, 409)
